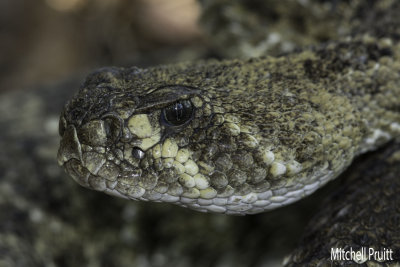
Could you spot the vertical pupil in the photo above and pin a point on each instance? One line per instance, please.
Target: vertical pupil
(178, 111)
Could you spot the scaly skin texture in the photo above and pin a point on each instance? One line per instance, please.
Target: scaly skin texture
(363, 214)
(265, 132)
(242, 29)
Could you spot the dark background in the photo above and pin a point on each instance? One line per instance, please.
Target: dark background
(44, 41)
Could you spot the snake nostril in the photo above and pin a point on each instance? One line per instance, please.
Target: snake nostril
(112, 127)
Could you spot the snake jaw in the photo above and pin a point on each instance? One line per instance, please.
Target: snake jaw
(169, 172)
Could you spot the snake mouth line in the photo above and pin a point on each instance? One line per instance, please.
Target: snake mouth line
(93, 171)
(88, 171)
(70, 157)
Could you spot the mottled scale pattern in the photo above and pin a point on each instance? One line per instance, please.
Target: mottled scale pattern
(264, 132)
(365, 213)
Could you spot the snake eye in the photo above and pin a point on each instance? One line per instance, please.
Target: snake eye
(178, 113)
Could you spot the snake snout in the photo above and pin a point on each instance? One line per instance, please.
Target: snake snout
(87, 165)
(70, 147)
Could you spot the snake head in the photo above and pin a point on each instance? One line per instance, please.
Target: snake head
(211, 136)
(140, 142)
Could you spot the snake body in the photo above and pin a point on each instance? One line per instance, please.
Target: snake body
(237, 136)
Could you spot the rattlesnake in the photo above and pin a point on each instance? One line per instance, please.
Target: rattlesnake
(237, 136)
(47, 220)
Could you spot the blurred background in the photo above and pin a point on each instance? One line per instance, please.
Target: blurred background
(44, 41)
